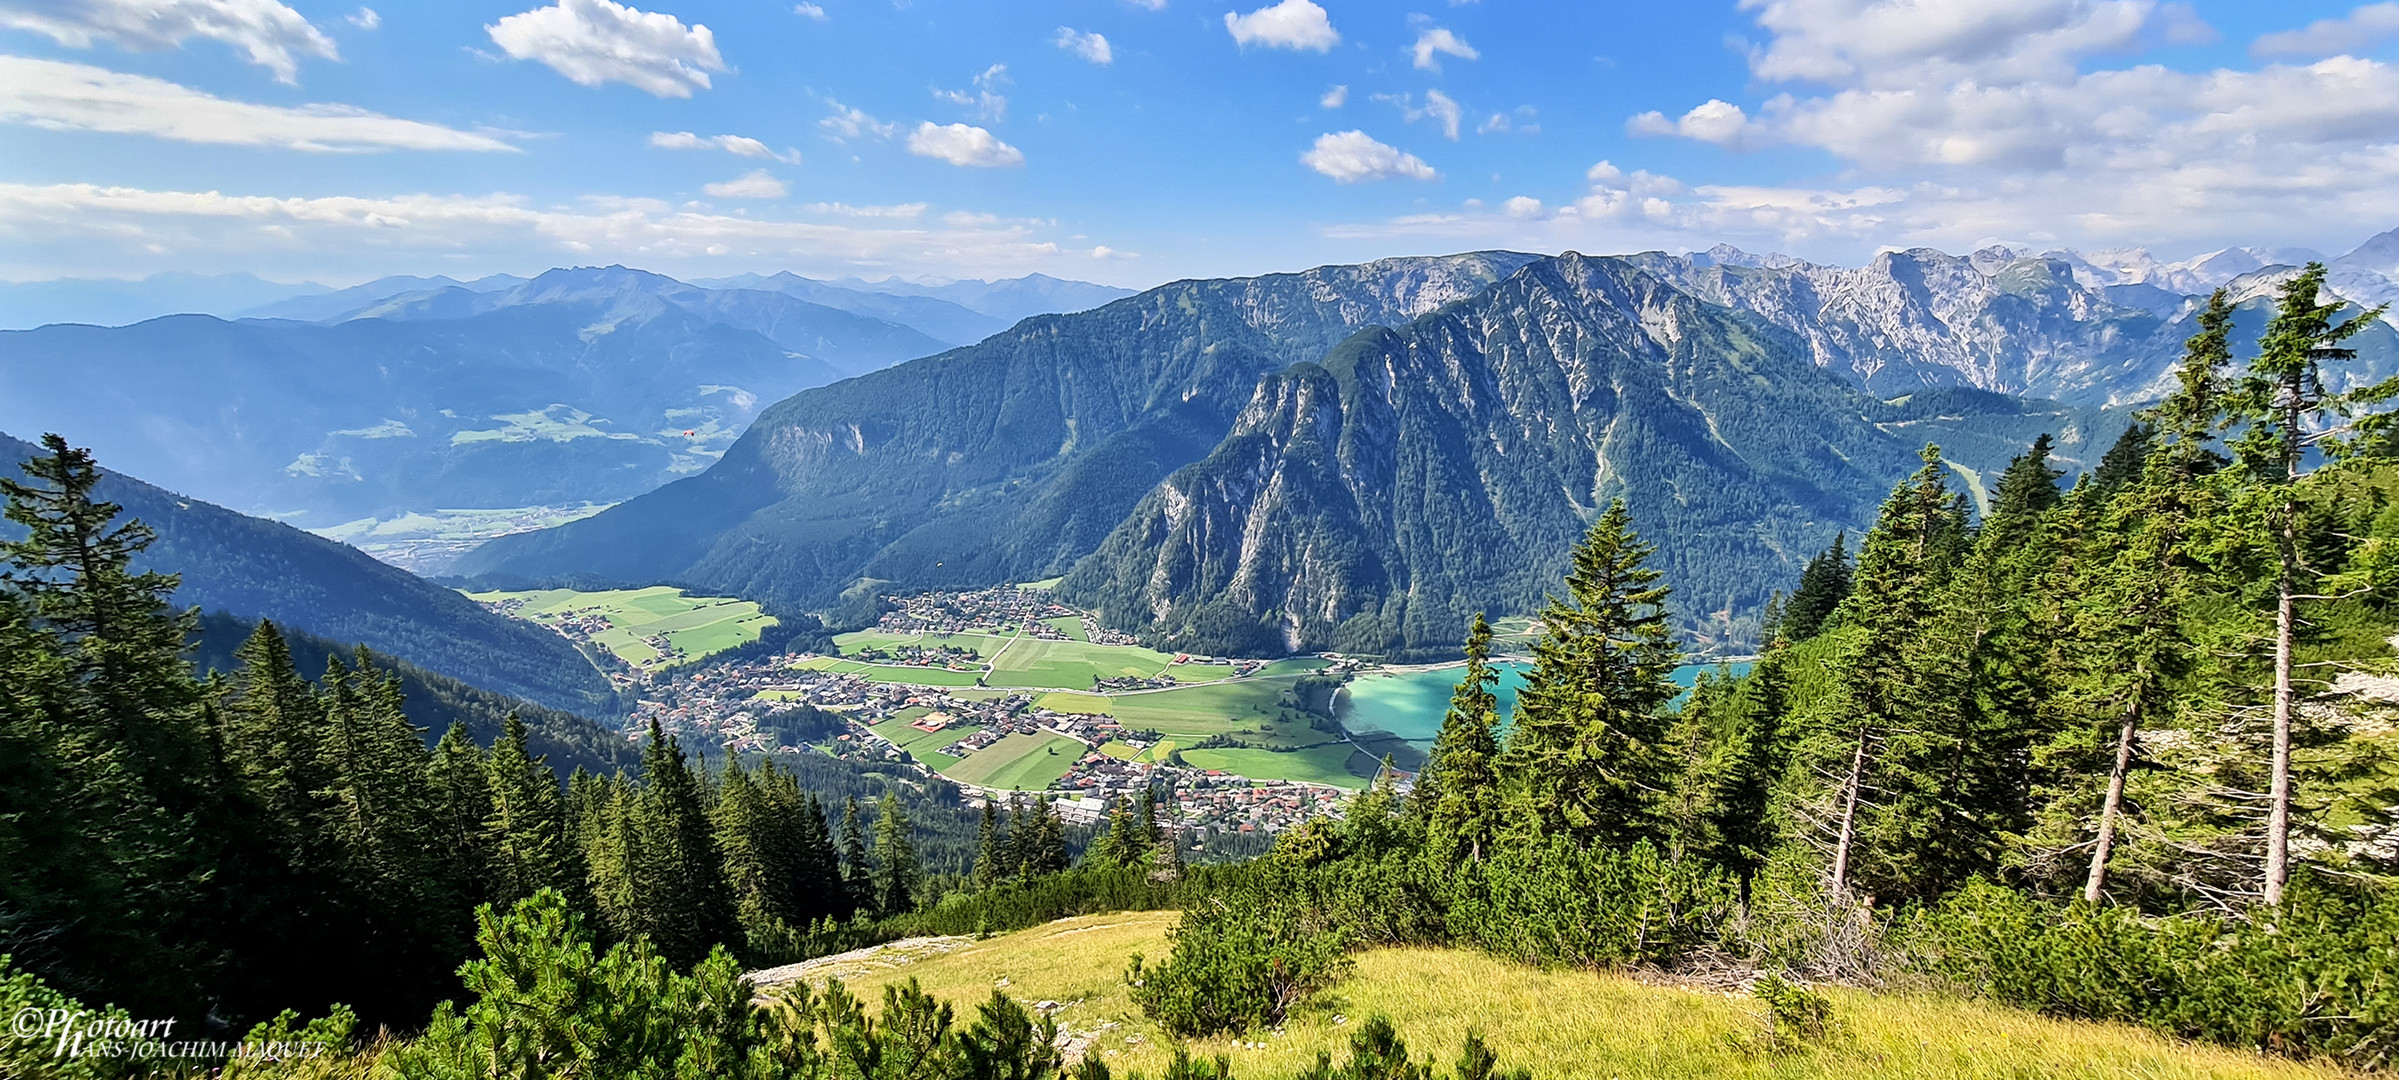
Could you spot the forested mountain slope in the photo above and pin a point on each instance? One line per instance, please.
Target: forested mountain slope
(260, 569)
(1376, 501)
(1006, 459)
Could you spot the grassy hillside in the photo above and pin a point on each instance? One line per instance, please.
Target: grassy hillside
(1568, 1024)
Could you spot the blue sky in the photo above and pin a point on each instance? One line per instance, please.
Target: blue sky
(1137, 141)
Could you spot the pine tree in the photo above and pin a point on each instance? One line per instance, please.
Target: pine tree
(822, 892)
(857, 874)
(459, 777)
(1122, 845)
(1883, 688)
(532, 845)
(1753, 757)
(106, 660)
(987, 870)
(897, 872)
(1578, 762)
(1823, 584)
(1044, 848)
(687, 906)
(2131, 648)
(2287, 411)
(1457, 794)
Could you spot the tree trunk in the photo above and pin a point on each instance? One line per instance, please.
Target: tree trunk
(2096, 885)
(1849, 817)
(2278, 821)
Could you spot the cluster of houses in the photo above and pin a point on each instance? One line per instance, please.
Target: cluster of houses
(1001, 606)
(725, 701)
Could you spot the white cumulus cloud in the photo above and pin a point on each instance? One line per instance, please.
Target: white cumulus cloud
(754, 184)
(1352, 156)
(1440, 40)
(271, 34)
(849, 122)
(1713, 121)
(2361, 29)
(737, 145)
(75, 97)
(1292, 24)
(809, 11)
(364, 18)
(1090, 46)
(599, 41)
(963, 145)
(1334, 98)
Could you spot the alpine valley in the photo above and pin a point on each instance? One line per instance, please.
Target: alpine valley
(1332, 459)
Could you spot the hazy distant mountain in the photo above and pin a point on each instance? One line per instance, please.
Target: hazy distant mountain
(1008, 300)
(264, 570)
(315, 307)
(936, 318)
(846, 342)
(112, 302)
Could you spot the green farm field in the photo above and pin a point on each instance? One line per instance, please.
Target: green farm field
(1316, 764)
(693, 627)
(923, 745)
(1034, 662)
(891, 673)
(1019, 762)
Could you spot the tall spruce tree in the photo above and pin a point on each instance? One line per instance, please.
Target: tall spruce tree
(1457, 794)
(2287, 409)
(897, 872)
(1579, 761)
(1884, 681)
(680, 877)
(104, 659)
(532, 845)
(460, 780)
(2131, 648)
(987, 870)
(857, 872)
(1823, 584)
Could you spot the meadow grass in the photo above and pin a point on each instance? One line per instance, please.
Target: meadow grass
(1560, 1024)
(1069, 625)
(699, 626)
(1070, 665)
(1019, 762)
(899, 730)
(1318, 764)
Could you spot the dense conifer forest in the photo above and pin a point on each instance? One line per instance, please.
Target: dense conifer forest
(2116, 748)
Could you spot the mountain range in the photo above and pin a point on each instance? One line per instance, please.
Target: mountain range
(1222, 465)
(578, 386)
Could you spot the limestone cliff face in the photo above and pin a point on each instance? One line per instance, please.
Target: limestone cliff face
(1375, 500)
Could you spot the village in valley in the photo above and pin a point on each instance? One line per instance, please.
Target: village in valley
(1003, 692)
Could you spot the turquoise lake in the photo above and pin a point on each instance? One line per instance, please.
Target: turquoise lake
(1410, 704)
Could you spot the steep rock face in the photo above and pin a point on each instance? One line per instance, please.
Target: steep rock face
(1375, 501)
(1991, 320)
(1008, 458)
